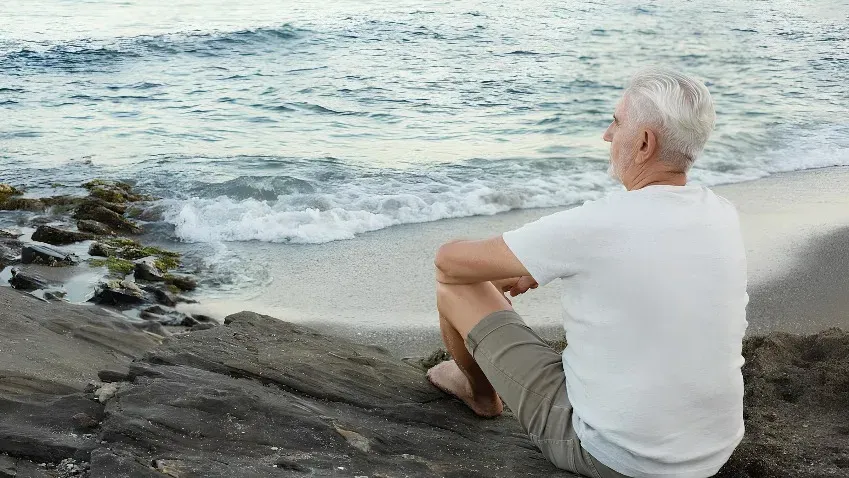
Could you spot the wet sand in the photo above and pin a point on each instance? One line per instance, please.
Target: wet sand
(379, 288)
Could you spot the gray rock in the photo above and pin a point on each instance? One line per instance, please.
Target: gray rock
(34, 254)
(10, 248)
(146, 269)
(59, 237)
(113, 375)
(118, 293)
(99, 249)
(260, 397)
(27, 281)
(94, 227)
(41, 427)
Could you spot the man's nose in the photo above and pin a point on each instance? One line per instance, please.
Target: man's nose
(607, 136)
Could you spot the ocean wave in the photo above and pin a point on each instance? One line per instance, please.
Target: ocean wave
(368, 204)
(320, 201)
(87, 54)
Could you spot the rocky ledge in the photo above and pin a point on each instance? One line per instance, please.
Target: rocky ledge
(261, 397)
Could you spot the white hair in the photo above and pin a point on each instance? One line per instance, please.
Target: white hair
(679, 106)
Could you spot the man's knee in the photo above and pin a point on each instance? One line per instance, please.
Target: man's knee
(465, 305)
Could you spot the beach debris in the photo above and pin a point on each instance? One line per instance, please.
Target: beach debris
(94, 227)
(59, 237)
(35, 254)
(147, 269)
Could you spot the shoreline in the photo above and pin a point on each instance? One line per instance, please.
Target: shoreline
(379, 286)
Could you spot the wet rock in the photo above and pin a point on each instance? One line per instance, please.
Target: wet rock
(161, 296)
(118, 293)
(203, 326)
(99, 249)
(10, 248)
(169, 317)
(114, 191)
(35, 254)
(21, 204)
(94, 227)
(55, 295)
(146, 269)
(27, 281)
(59, 237)
(7, 190)
(184, 283)
(95, 211)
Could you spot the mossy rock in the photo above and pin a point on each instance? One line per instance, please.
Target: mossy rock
(7, 190)
(133, 250)
(114, 264)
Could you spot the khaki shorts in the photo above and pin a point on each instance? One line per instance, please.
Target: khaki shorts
(528, 374)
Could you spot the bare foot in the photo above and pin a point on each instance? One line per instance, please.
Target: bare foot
(448, 377)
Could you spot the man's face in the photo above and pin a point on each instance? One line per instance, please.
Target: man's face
(622, 136)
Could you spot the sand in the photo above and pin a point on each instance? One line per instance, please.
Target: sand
(379, 287)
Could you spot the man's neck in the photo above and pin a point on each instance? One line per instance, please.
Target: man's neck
(656, 178)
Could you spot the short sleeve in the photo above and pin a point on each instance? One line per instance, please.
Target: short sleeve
(553, 246)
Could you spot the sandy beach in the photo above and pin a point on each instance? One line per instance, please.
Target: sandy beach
(378, 287)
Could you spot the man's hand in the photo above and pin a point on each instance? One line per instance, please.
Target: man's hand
(516, 285)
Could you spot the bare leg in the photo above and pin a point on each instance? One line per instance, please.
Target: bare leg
(462, 377)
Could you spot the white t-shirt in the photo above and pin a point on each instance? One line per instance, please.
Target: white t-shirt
(654, 300)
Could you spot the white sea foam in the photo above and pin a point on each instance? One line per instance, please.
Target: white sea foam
(374, 202)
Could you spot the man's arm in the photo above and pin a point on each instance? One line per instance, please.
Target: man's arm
(469, 262)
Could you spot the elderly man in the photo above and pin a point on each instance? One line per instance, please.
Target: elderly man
(653, 283)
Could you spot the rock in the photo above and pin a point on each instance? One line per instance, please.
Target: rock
(99, 249)
(94, 227)
(161, 296)
(27, 281)
(303, 392)
(55, 295)
(113, 191)
(181, 282)
(107, 391)
(176, 319)
(85, 421)
(203, 326)
(35, 254)
(146, 269)
(118, 293)
(41, 427)
(95, 211)
(204, 319)
(7, 190)
(152, 327)
(59, 237)
(57, 348)
(113, 375)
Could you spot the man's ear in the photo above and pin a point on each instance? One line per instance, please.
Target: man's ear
(648, 146)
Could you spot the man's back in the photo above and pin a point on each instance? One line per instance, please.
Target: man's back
(654, 295)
